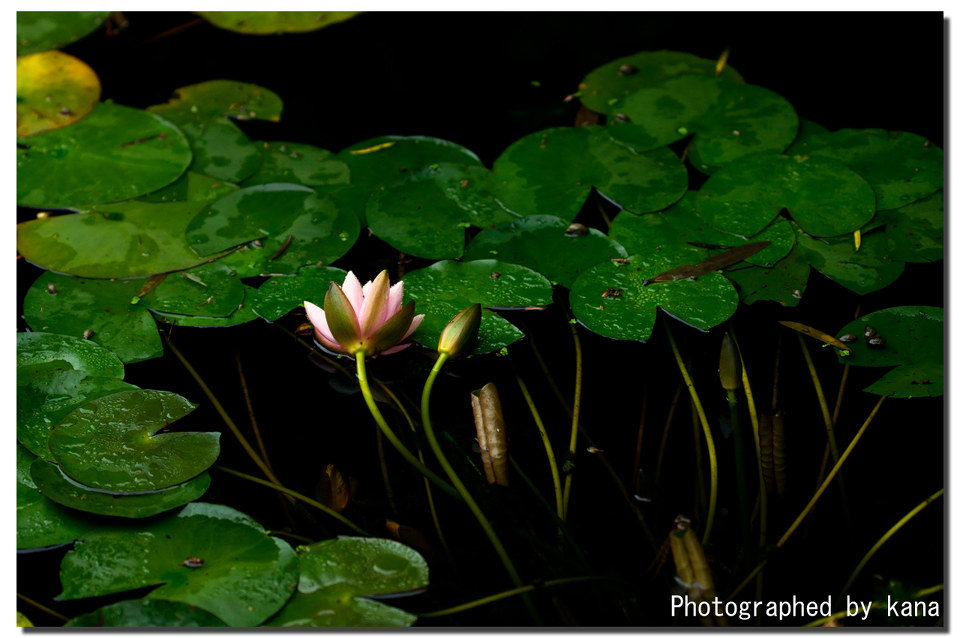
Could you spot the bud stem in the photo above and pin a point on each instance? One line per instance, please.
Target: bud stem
(389, 433)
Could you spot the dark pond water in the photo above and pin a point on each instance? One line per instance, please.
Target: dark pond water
(468, 78)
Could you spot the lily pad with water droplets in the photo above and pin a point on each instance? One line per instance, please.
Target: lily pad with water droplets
(610, 298)
(46, 30)
(426, 215)
(208, 290)
(39, 352)
(605, 87)
(552, 172)
(114, 153)
(862, 271)
(236, 571)
(318, 228)
(145, 612)
(281, 294)
(784, 283)
(915, 231)
(385, 161)
(807, 130)
(74, 306)
(292, 163)
(128, 239)
(901, 167)
(40, 521)
(337, 575)
(191, 187)
(822, 195)
(53, 90)
(115, 443)
(204, 112)
(243, 314)
(447, 287)
(65, 491)
(913, 342)
(269, 22)
(542, 243)
(728, 120)
(682, 225)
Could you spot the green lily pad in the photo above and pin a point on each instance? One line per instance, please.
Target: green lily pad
(426, 216)
(551, 172)
(292, 163)
(610, 298)
(114, 153)
(208, 290)
(536, 242)
(53, 90)
(144, 612)
(44, 399)
(243, 314)
(862, 271)
(41, 353)
(728, 120)
(807, 130)
(61, 489)
(128, 239)
(244, 578)
(23, 621)
(785, 283)
(823, 196)
(914, 343)
(318, 229)
(335, 575)
(72, 306)
(112, 443)
(915, 231)
(204, 112)
(269, 22)
(682, 225)
(191, 187)
(40, 521)
(281, 294)
(605, 87)
(382, 162)
(901, 167)
(45, 30)
(447, 287)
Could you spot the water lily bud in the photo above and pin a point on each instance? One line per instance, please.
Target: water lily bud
(460, 331)
(729, 364)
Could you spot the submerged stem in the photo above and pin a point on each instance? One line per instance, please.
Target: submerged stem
(297, 495)
(457, 483)
(486, 600)
(389, 433)
(43, 608)
(575, 425)
(890, 532)
(711, 451)
(547, 445)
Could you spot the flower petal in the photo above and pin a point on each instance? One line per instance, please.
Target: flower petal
(414, 325)
(353, 291)
(341, 319)
(402, 346)
(374, 303)
(318, 318)
(394, 300)
(331, 345)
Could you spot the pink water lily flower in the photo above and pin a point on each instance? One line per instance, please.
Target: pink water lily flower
(368, 318)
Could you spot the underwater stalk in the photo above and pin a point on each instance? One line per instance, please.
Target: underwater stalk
(730, 378)
(575, 425)
(711, 451)
(890, 532)
(547, 445)
(486, 600)
(389, 433)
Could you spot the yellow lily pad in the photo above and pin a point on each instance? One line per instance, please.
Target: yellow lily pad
(53, 90)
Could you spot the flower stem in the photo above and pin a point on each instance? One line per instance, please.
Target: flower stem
(816, 497)
(457, 483)
(44, 608)
(548, 446)
(575, 425)
(711, 451)
(890, 532)
(297, 495)
(486, 600)
(389, 433)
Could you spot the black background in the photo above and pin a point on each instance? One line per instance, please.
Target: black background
(469, 78)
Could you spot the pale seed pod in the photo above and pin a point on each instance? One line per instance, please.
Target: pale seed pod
(491, 433)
